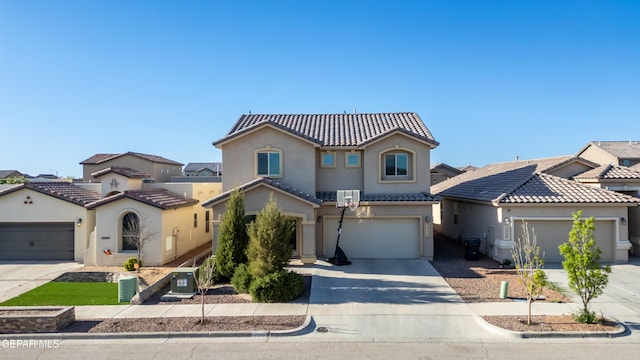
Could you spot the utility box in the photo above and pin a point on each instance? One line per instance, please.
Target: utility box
(183, 280)
(127, 288)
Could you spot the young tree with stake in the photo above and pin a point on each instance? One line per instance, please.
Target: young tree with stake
(526, 256)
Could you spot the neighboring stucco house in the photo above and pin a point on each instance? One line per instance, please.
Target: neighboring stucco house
(623, 180)
(304, 159)
(441, 172)
(620, 153)
(159, 168)
(492, 202)
(10, 174)
(45, 221)
(203, 169)
(87, 221)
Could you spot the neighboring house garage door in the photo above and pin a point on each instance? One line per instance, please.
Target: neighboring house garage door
(552, 233)
(379, 238)
(36, 241)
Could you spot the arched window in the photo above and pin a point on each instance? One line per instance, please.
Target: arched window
(397, 165)
(130, 231)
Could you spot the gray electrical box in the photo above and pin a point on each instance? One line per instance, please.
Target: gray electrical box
(183, 280)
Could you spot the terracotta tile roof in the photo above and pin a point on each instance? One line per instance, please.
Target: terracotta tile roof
(523, 182)
(619, 149)
(548, 189)
(269, 182)
(100, 158)
(337, 129)
(160, 198)
(610, 172)
(58, 189)
(124, 171)
(330, 196)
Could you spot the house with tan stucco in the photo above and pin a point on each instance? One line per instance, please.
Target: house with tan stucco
(491, 204)
(304, 159)
(87, 221)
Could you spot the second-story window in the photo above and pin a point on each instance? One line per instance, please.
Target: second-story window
(352, 159)
(396, 164)
(328, 160)
(269, 163)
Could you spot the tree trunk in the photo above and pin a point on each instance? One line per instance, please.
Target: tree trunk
(529, 312)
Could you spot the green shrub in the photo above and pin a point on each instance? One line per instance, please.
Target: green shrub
(241, 279)
(232, 237)
(269, 249)
(585, 317)
(129, 265)
(279, 286)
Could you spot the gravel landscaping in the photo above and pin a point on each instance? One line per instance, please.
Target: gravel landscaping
(474, 281)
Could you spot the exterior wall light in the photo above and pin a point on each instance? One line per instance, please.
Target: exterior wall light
(79, 222)
(623, 221)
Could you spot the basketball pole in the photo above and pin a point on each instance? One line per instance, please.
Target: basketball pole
(335, 253)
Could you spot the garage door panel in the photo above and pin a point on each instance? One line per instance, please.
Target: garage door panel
(37, 241)
(550, 234)
(374, 238)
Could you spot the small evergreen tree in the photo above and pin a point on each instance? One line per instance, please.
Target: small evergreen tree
(526, 255)
(232, 237)
(269, 249)
(587, 277)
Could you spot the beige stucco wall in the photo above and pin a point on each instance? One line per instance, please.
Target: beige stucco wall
(598, 156)
(570, 170)
(121, 184)
(372, 163)
(173, 233)
(239, 159)
(45, 208)
(338, 177)
(476, 220)
(254, 201)
(160, 172)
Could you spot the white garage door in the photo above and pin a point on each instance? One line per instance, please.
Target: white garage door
(552, 233)
(380, 238)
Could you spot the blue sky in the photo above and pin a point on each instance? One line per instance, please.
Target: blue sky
(491, 79)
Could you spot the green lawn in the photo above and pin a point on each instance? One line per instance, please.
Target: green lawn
(68, 293)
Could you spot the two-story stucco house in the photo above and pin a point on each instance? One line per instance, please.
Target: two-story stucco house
(304, 159)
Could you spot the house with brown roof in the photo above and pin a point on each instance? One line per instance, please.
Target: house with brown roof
(620, 153)
(90, 222)
(441, 172)
(159, 168)
(45, 221)
(304, 159)
(491, 204)
(623, 180)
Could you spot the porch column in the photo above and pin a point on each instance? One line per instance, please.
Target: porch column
(308, 251)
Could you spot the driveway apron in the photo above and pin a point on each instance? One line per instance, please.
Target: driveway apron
(387, 298)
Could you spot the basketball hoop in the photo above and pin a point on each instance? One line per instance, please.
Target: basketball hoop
(352, 206)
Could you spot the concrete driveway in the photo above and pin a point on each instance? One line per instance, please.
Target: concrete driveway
(17, 277)
(388, 299)
(621, 297)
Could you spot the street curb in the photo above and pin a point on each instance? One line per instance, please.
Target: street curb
(306, 328)
(620, 331)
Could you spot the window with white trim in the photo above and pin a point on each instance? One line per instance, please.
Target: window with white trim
(269, 163)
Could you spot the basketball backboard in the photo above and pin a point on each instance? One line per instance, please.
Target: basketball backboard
(347, 198)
